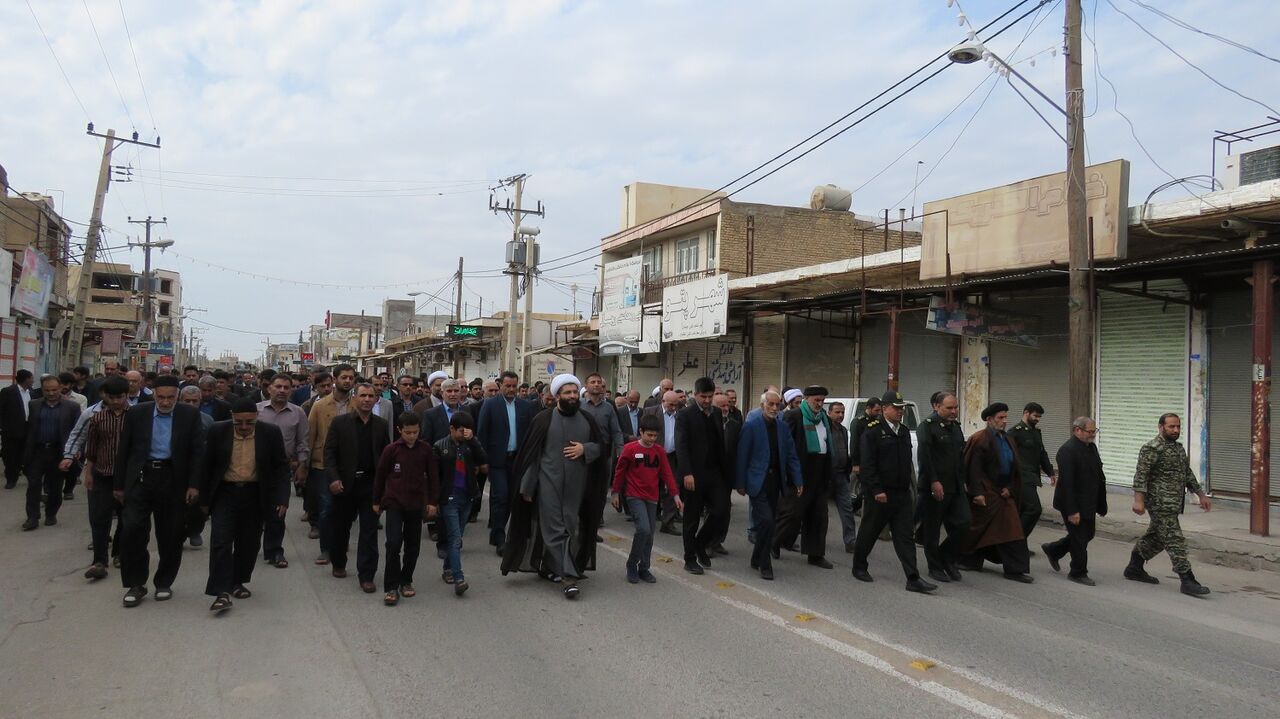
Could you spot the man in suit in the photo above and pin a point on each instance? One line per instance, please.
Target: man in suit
(841, 476)
(732, 433)
(702, 470)
(629, 417)
(109, 368)
(158, 473)
(766, 463)
(352, 446)
(501, 427)
(15, 403)
(666, 413)
(806, 515)
(218, 409)
(138, 391)
(49, 423)
(248, 480)
(1081, 496)
(660, 393)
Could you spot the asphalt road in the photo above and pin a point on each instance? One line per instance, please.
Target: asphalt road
(812, 643)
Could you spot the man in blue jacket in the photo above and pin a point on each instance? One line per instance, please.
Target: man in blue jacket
(767, 464)
(501, 428)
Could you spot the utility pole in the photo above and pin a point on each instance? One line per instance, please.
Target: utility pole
(526, 342)
(457, 319)
(75, 335)
(146, 272)
(517, 258)
(1080, 305)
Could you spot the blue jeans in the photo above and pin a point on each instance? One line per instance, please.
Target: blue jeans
(322, 500)
(456, 511)
(645, 515)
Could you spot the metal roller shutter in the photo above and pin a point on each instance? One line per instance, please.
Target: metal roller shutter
(1024, 374)
(1142, 357)
(875, 356)
(817, 353)
(766, 354)
(928, 362)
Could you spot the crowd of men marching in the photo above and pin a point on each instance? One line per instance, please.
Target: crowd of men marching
(174, 451)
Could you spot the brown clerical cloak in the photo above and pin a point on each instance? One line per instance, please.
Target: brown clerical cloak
(998, 522)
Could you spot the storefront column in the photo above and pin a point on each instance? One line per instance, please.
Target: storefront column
(975, 382)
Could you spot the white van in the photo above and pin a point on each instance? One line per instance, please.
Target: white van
(854, 407)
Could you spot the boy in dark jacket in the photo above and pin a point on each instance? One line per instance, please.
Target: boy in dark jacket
(458, 459)
(642, 466)
(405, 487)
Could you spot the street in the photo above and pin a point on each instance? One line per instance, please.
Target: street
(812, 643)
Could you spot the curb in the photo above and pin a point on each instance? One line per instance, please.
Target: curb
(1234, 552)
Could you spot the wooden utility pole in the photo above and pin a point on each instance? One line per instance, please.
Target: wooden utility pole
(1260, 439)
(147, 311)
(71, 349)
(457, 319)
(1080, 325)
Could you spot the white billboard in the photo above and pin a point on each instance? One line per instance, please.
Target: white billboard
(621, 308)
(695, 309)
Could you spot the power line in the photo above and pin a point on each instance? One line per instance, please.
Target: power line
(1190, 64)
(301, 283)
(134, 53)
(92, 25)
(330, 179)
(292, 333)
(299, 192)
(58, 62)
(1188, 26)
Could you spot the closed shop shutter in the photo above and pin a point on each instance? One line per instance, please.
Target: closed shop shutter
(875, 356)
(928, 360)
(1142, 356)
(820, 351)
(766, 353)
(1036, 374)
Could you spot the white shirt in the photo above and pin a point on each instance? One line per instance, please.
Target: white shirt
(892, 427)
(26, 401)
(821, 430)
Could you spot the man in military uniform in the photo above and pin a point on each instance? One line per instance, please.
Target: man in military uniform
(942, 488)
(887, 483)
(870, 413)
(1159, 487)
(1032, 459)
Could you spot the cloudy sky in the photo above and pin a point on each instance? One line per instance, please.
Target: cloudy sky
(355, 143)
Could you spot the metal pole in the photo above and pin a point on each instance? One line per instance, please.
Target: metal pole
(75, 337)
(894, 349)
(1260, 442)
(1080, 315)
(146, 280)
(526, 340)
(457, 319)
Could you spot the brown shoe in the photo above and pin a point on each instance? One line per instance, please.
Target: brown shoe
(339, 573)
(368, 587)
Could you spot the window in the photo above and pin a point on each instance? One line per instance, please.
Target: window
(711, 249)
(166, 287)
(687, 256)
(164, 309)
(653, 262)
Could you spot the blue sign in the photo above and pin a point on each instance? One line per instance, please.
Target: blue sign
(551, 369)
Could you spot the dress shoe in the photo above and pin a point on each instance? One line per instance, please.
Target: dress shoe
(938, 575)
(920, 586)
(1020, 577)
(862, 575)
(718, 548)
(821, 563)
(50, 521)
(954, 574)
(633, 575)
(766, 573)
(704, 560)
(196, 540)
(791, 547)
(30, 524)
(692, 567)
(1082, 579)
(501, 549)
(848, 549)
(775, 553)
(1053, 561)
(647, 577)
(339, 573)
(368, 587)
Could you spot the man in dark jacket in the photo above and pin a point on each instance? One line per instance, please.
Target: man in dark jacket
(702, 468)
(51, 420)
(351, 450)
(248, 479)
(805, 515)
(842, 477)
(995, 486)
(887, 483)
(1032, 460)
(732, 434)
(1081, 496)
(501, 426)
(15, 401)
(870, 413)
(942, 488)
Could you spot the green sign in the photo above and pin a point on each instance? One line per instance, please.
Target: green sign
(463, 331)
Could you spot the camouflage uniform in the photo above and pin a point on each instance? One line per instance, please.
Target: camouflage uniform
(1164, 475)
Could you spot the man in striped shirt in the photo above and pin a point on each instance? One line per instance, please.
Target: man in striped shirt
(102, 436)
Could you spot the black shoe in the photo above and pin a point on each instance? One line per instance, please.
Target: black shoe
(821, 563)
(862, 575)
(1082, 579)
(1136, 571)
(775, 553)
(792, 547)
(647, 577)
(953, 574)
(1053, 561)
(30, 524)
(970, 566)
(501, 549)
(938, 575)
(599, 538)
(97, 571)
(133, 597)
(718, 548)
(848, 549)
(766, 573)
(704, 560)
(10, 485)
(50, 521)
(920, 586)
(1019, 577)
(692, 567)
(198, 541)
(442, 553)
(1191, 587)
(674, 528)
(68, 496)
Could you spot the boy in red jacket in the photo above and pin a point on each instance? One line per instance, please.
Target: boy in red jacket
(404, 486)
(641, 466)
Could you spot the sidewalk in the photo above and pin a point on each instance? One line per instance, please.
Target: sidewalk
(1220, 536)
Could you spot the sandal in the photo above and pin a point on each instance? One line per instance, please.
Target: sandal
(571, 591)
(280, 563)
(447, 576)
(391, 598)
(221, 604)
(241, 592)
(408, 591)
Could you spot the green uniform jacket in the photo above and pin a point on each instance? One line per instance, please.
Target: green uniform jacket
(1164, 475)
(1032, 457)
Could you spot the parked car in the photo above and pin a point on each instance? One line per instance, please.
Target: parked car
(854, 406)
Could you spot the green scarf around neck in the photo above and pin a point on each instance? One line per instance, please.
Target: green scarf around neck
(811, 420)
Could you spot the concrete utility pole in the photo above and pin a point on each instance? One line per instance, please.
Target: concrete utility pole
(147, 246)
(1080, 306)
(515, 268)
(75, 335)
(526, 342)
(457, 319)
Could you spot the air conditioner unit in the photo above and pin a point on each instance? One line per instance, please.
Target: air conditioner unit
(439, 358)
(1250, 168)
(460, 354)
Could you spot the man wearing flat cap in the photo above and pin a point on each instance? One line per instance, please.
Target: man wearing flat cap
(995, 489)
(806, 514)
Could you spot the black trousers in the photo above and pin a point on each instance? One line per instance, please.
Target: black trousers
(764, 510)
(667, 512)
(896, 515)
(806, 515)
(952, 512)
(158, 498)
(102, 507)
(355, 503)
(1013, 556)
(273, 535)
(44, 477)
(1031, 509)
(71, 477)
(1076, 543)
(12, 447)
(708, 493)
(235, 521)
(404, 532)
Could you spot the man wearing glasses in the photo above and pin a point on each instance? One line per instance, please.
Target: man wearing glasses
(1081, 495)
